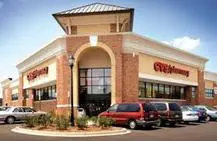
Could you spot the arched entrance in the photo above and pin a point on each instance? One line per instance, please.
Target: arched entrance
(95, 76)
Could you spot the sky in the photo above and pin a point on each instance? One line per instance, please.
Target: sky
(26, 25)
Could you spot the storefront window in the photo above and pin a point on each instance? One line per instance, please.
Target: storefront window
(167, 91)
(182, 92)
(193, 90)
(173, 92)
(177, 95)
(209, 93)
(161, 91)
(46, 93)
(95, 81)
(155, 90)
(14, 97)
(26, 93)
(142, 89)
(148, 90)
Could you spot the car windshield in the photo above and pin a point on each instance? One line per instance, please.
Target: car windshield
(160, 106)
(185, 108)
(174, 107)
(149, 107)
(210, 108)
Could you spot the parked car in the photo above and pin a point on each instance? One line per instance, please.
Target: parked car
(202, 113)
(133, 114)
(170, 112)
(188, 115)
(13, 114)
(4, 108)
(210, 111)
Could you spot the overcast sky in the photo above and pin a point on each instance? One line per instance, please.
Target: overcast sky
(26, 25)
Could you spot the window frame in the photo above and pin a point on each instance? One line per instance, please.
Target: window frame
(91, 87)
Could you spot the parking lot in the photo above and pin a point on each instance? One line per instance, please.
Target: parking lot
(192, 132)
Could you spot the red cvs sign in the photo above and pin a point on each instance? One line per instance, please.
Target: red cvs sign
(169, 69)
(36, 73)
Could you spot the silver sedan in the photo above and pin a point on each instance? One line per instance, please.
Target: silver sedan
(13, 114)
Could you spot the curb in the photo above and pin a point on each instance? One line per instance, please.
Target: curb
(120, 131)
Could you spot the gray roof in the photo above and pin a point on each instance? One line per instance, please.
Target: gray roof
(93, 8)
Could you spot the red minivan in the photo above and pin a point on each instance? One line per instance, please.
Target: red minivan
(133, 114)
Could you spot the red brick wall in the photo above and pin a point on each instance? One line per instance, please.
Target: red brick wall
(46, 106)
(130, 78)
(29, 100)
(63, 81)
(210, 101)
(6, 95)
(200, 89)
(20, 96)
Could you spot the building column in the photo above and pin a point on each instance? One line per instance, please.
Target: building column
(21, 99)
(7, 95)
(30, 98)
(200, 98)
(130, 74)
(63, 85)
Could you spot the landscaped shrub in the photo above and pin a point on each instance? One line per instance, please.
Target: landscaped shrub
(82, 122)
(31, 122)
(45, 120)
(52, 115)
(62, 122)
(105, 122)
(92, 121)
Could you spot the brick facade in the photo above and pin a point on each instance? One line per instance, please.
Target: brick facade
(63, 83)
(126, 79)
(47, 106)
(130, 78)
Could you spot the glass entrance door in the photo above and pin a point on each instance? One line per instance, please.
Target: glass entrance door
(95, 89)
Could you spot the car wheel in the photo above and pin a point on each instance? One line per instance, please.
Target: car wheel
(159, 123)
(10, 120)
(186, 122)
(172, 124)
(208, 118)
(132, 124)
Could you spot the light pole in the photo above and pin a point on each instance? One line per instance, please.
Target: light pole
(71, 61)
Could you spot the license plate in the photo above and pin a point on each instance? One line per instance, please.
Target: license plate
(151, 116)
(176, 116)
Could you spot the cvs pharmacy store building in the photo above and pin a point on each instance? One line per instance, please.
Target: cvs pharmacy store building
(111, 65)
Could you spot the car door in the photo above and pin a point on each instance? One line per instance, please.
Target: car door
(111, 111)
(121, 115)
(18, 113)
(28, 112)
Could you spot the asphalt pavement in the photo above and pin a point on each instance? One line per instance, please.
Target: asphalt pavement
(191, 132)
